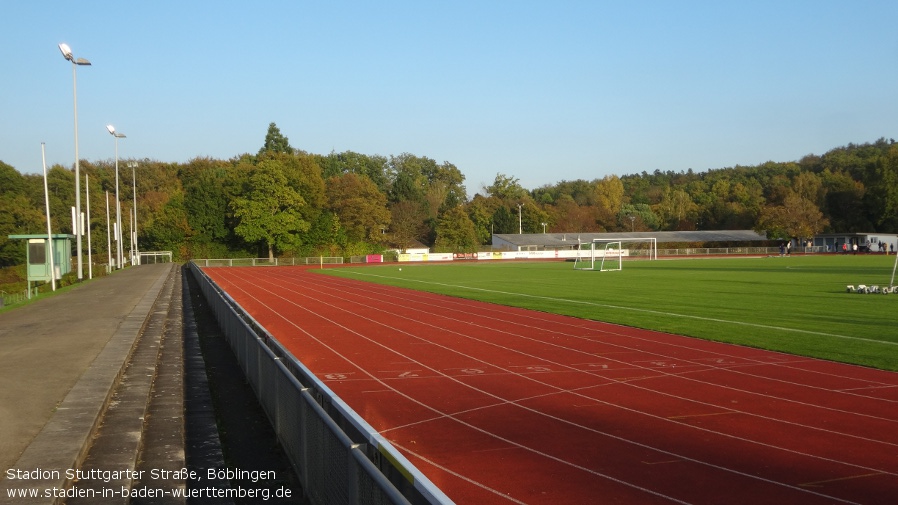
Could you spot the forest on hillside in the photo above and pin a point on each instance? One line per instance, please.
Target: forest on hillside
(284, 201)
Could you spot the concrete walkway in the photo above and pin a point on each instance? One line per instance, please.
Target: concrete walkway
(60, 358)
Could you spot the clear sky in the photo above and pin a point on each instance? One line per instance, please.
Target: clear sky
(541, 91)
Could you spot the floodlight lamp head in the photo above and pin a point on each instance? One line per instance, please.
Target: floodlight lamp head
(114, 133)
(66, 51)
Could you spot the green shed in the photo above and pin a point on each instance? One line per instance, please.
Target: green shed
(38, 255)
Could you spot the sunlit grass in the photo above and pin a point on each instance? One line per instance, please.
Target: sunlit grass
(795, 304)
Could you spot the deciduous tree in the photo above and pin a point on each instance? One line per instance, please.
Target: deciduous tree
(406, 224)
(506, 188)
(609, 196)
(455, 232)
(270, 211)
(504, 221)
(360, 206)
(167, 229)
(797, 218)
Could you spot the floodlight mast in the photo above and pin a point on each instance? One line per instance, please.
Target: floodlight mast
(135, 254)
(118, 204)
(892, 282)
(49, 229)
(67, 54)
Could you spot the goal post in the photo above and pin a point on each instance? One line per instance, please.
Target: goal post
(608, 254)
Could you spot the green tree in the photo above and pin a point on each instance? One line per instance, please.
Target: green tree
(506, 188)
(11, 181)
(885, 191)
(608, 198)
(798, 217)
(504, 221)
(637, 217)
(21, 212)
(568, 217)
(406, 224)
(480, 213)
(269, 211)
(677, 210)
(18, 215)
(207, 203)
(845, 202)
(445, 187)
(532, 217)
(374, 167)
(325, 236)
(455, 232)
(275, 141)
(304, 175)
(360, 206)
(167, 229)
(407, 177)
(809, 186)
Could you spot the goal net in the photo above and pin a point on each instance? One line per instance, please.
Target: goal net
(607, 255)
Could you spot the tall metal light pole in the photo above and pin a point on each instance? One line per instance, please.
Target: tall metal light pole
(108, 238)
(90, 259)
(49, 229)
(118, 203)
(67, 54)
(520, 222)
(135, 254)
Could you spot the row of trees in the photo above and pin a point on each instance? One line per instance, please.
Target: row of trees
(284, 201)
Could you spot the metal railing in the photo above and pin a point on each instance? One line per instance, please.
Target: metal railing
(12, 298)
(337, 456)
(737, 251)
(146, 257)
(256, 262)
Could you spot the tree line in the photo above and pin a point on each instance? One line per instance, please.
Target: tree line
(284, 201)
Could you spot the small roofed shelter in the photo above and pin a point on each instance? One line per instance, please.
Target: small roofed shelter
(38, 256)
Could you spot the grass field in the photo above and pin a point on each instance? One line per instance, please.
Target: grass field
(795, 304)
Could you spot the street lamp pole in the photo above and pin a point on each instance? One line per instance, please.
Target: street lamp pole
(118, 204)
(49, 229)
(90, 259)
(520, 222)
(67, 54)
(135, 254)
(108, 238)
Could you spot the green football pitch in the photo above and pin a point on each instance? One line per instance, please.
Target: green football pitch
(796, 304)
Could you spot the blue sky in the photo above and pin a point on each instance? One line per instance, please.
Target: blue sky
(541, 91)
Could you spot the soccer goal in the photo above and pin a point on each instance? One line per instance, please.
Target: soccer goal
(609, 254)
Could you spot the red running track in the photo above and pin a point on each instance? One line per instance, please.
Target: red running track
(503, 405)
